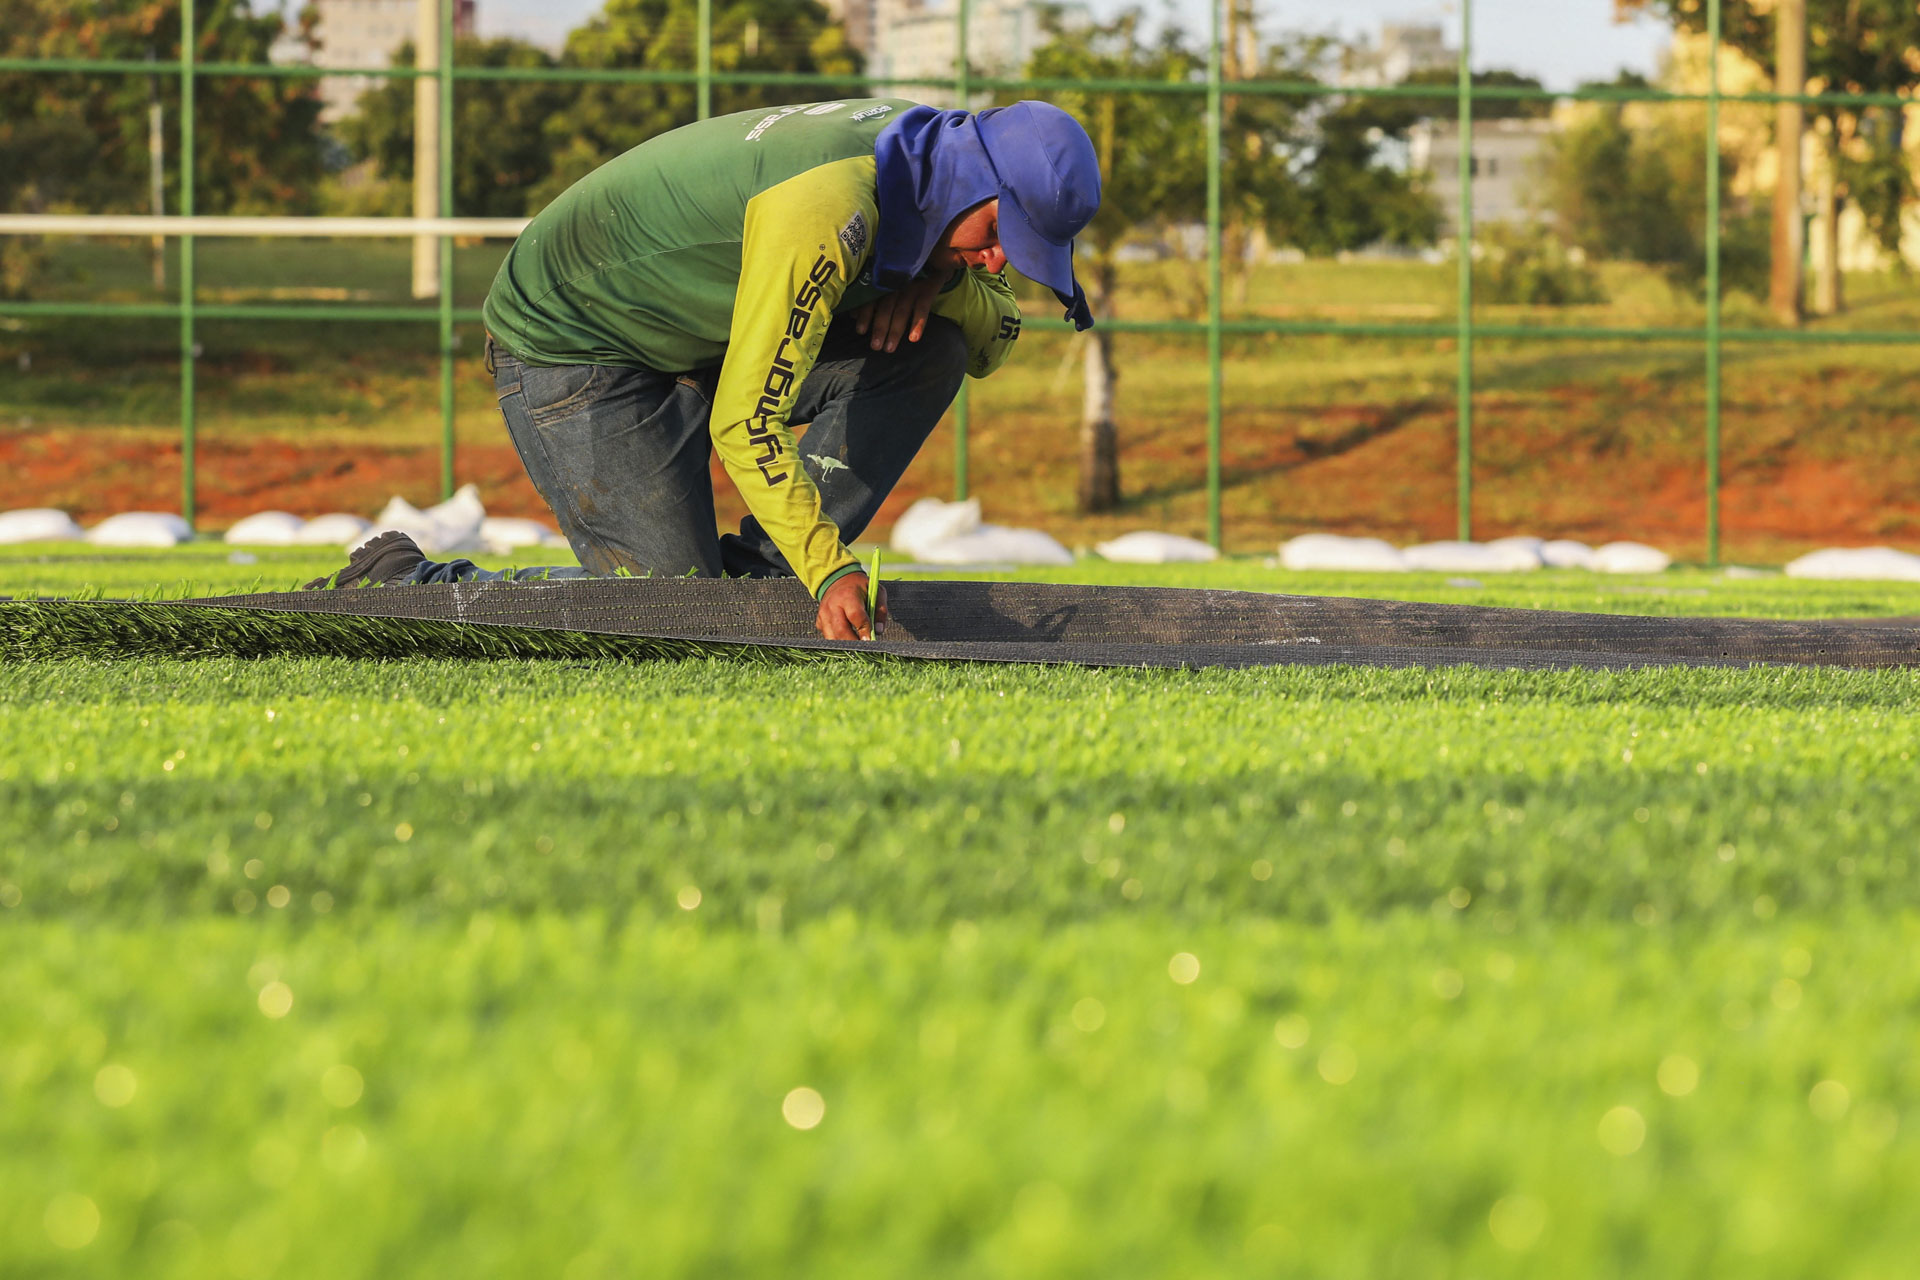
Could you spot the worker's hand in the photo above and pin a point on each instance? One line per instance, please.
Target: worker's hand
(897, 315)
(843, 610)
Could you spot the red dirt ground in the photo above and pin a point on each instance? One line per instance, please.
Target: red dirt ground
(1358, 471)
(91, 475)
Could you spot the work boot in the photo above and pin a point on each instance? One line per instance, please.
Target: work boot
(390, 557)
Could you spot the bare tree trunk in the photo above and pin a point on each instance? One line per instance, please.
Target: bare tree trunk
(1234, 239)
(1787, 295)
(1241, 59)
(1257, 249)
(1829, 291)
(1099, 442)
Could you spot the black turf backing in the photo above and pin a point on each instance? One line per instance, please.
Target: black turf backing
(1128, 626)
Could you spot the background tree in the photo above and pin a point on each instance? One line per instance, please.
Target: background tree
(1153, 174)
(72, 142)
(1344, 198)
(1483, 108)
(1853, 46)
(603, 120)
(1283, 173)
(80, 141)
(501, 153)
(1634, 194)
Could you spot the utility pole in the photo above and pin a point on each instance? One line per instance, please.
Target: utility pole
(1243, 41)
(1245, 241)
(426, 146)
(1787, 296)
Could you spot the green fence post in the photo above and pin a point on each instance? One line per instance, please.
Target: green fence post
(1213, 273)
(1713, 282)
(1463, 243)
(189, 488)
(962, 90)
(703, 59)
(445, 72)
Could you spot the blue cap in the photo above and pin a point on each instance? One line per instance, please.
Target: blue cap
(1049, 191)
(1032, 156)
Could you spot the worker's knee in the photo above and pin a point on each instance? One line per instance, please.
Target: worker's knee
(941, 354)
(946, 345)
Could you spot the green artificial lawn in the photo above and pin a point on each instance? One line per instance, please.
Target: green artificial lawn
(321, 968)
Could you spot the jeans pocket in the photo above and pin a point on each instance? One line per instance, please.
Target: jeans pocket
(704, 383)
(557, 392)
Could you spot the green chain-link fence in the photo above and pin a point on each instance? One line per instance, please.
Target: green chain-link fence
(1712, 337)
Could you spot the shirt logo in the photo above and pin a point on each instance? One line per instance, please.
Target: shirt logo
(769, 414)
(871, 113)
(854, 234)
(754, 134)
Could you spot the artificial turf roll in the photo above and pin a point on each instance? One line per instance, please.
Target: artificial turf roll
(651, 619)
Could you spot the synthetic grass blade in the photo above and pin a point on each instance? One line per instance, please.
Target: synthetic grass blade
(40, 629)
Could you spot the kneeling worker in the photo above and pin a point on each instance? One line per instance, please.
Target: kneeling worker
(836, 265)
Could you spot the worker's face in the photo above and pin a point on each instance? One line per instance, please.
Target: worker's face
(971, 240)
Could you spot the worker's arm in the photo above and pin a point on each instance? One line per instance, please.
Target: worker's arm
(982, 304)
(803, 240)
(977, 300)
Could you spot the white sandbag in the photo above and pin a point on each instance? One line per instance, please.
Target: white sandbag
(1630, 557)
(1330, 552)
(1470, 557)
(335, 529)
(267, 529)
(450, 526)
(930, 520)
(1869, 564)
(1520, 555)
(1564, 553)
(140, 529)
(403, 516)
(504, 534)
(38, 524)
(461, 515)
(1145, 547)
(992, 544)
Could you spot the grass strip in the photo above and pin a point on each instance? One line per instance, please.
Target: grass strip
(52, 629)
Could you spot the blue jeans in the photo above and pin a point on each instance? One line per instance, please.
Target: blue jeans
(622, 454)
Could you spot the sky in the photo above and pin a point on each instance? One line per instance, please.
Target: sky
(1561, 41)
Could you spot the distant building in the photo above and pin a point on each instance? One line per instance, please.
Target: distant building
(1507, 159)
(358, 34)
(1403, 50)
(913, 38)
